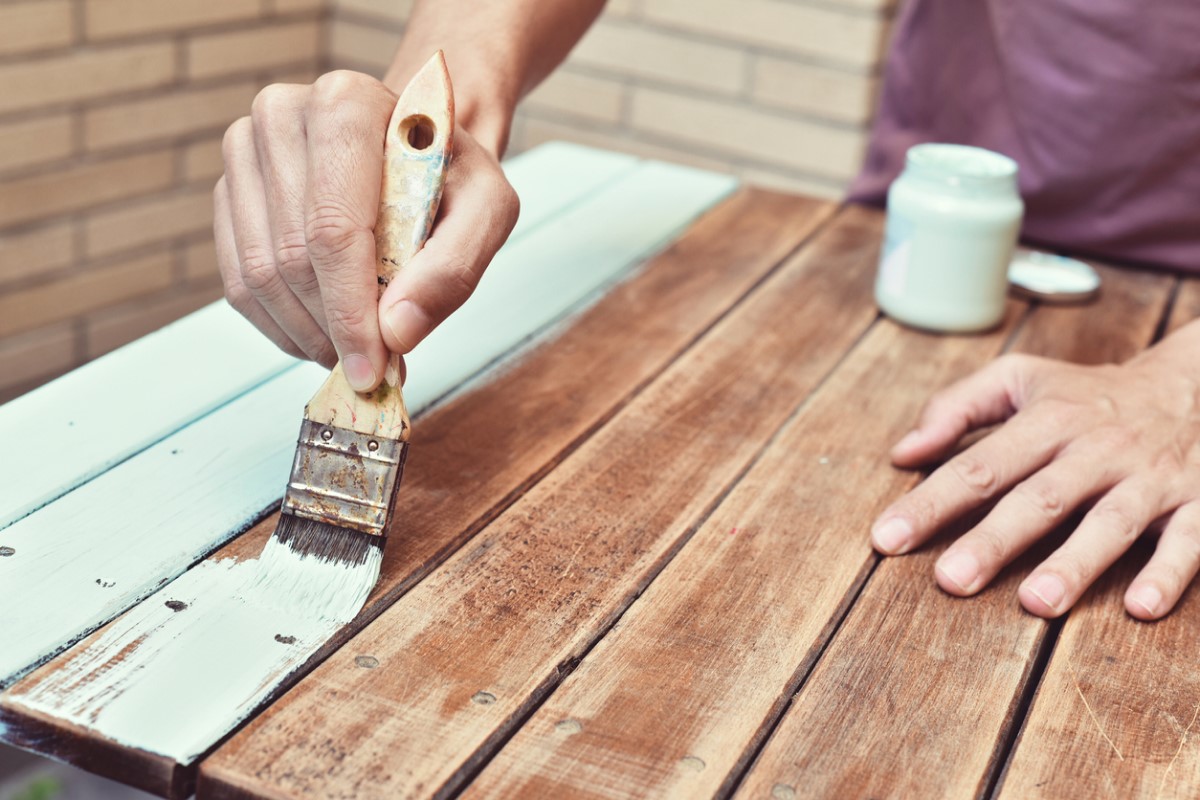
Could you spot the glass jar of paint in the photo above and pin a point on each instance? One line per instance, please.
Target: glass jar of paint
(953, 218)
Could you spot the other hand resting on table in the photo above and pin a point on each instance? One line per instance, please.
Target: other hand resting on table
(1126, 437)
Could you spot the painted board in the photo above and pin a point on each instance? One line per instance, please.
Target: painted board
(148, 389)
(525, 291)
(463, 657)
(503, 437)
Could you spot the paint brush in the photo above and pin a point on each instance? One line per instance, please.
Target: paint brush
(351, 449)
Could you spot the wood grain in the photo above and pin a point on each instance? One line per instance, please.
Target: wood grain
(501, 438)
(1187, 303)
(678, 697)
(236, 459)
(1116, 685)
(475, 646)
(1116, 714)
(916, 696)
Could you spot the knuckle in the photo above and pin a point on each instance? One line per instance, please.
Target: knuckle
(345, 322)
(991, 545)
(330, 89)
(1116, 519)
(328, 229)
(258, 270)
(292, 261)
(975, 474)
(1044, 498)
(238, 297)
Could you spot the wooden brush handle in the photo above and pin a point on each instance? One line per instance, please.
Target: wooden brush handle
(416, 152)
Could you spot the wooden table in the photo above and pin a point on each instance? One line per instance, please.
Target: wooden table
(632, 561)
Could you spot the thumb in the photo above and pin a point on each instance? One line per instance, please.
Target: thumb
(988, 396)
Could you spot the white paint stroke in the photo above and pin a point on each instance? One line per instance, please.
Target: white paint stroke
(176, 681)
(539, 279)
(67, 432)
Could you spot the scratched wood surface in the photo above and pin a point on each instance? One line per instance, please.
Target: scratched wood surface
(466, 654)
(236, 460)
(629, 564)
(917, 694)
(677, 699)
(1125, 694)
(500, 438)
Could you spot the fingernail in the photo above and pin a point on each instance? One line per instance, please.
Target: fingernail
(1149, 598)
(961, 569)
(408, 324)
(1049, 589)
(893, 535)
(910, 438)
(359, 372)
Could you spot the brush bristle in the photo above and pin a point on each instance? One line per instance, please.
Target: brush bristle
(312, 539)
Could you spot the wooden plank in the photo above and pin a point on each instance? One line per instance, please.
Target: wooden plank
(678, 697)
(527, 291)
(1116, 712)
(501, 438)
(72, 429)
(151, 388)
(475, 646)
(915, 679)
(1187, 303)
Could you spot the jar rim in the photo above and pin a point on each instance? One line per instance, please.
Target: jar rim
(964, 162)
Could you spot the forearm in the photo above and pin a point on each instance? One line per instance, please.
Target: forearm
(497, 52)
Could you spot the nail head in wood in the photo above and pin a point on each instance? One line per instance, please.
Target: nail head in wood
(483, 698)
(7, 551)
(366, 662)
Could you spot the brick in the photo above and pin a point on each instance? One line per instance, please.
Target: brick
(253, 49)
(35, 141)
(36, 25)
(200, 263)
(846, 37)
(535, 131)
(169, 115)
(749, 133)
(644, 53)
(108, 330)
(783, 182)
(106, 19)
(202, 161)
(36, 354)
(824, 92)
(84, 185)
(82, 292)
(295, 6)
(85, 75)
(352, 45)
(36, 252)
(392, 10)
(156, 219)
(578, 95)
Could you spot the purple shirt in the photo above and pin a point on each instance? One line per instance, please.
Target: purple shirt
(1097, 100)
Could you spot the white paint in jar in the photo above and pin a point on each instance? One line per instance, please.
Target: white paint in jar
(954, 215)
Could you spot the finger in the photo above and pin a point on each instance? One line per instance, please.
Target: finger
(478, 213)
(988, 396)
(280, 143)
(347, 116)
(1108, 530)
(1172, 568)
(1032, 509)
(256, 255)
(236, 292)
(1024, 445)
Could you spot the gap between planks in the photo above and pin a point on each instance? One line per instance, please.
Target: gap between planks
(419, 711)
(706, 292)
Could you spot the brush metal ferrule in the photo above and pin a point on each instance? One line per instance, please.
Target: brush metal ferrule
(344, 478)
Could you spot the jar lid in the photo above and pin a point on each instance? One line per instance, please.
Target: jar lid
(1052, 278)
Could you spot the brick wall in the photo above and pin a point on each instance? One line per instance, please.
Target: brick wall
(779, 92)
(111, 113)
